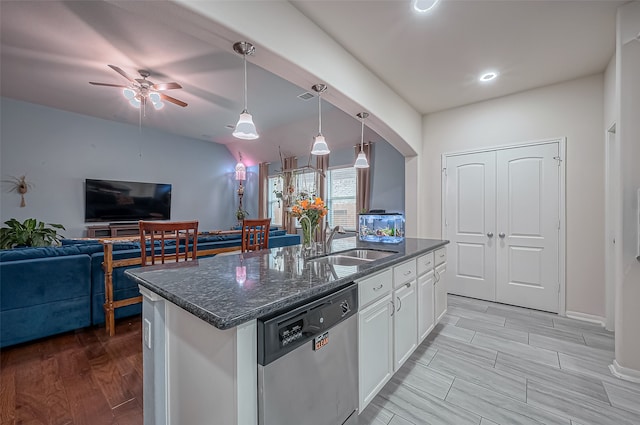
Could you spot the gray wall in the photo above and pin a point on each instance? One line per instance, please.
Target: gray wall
(58, 150)
(387, 173)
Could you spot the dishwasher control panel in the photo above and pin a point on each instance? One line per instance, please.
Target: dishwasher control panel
(309, 323)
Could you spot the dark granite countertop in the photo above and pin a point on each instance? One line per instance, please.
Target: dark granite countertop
(215, 289)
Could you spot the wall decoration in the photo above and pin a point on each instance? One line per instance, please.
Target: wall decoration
(19, 185)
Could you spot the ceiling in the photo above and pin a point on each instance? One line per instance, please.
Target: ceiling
(50, 50)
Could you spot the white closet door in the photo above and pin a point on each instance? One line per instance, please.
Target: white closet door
(527, 226)
(470, 224)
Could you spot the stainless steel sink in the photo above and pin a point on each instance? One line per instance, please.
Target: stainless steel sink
(367, 254)
(341, 260)
(353, 257)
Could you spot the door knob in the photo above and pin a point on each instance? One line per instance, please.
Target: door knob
(501, 235)
(490, 234)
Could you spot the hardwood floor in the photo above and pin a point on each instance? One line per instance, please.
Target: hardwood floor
(490, 364)
(485, 364)
(82, 377)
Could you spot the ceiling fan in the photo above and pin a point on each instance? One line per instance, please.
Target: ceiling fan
(140, 90)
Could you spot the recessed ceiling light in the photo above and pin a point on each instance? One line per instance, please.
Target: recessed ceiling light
(488, 76)
(423, 6)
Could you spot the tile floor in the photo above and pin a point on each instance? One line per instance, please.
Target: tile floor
(489, 363)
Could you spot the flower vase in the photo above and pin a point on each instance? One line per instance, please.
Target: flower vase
(308, 232)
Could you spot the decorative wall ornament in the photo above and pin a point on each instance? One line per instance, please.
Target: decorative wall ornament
(19, 185)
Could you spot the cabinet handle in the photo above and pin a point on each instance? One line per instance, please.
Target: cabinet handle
(378, 288)
(407, 273)
(442, 255)
(400, 303)
(490, 234)
(408, 284)
(393, 309)
(501, 235)
(436, 275)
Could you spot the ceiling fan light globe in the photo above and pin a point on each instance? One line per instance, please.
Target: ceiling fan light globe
(245, 128)
(158, 105)
(135, 103)
(155, 97)
(320, 146)
(361, 161)
(129, 93)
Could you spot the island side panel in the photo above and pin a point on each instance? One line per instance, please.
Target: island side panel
(247, 373)
(153, 358)
(203, 367)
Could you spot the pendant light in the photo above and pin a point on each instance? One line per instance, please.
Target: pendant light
(245, 128)
(320, 146)
(361, 160)
(241, 169)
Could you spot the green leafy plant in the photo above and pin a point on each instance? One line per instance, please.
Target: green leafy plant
(29, 233)
(241, 214)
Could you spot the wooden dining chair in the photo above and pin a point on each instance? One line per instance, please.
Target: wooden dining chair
(180, 232)
(255, 234)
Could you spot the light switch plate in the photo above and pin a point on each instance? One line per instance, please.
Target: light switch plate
(146, 333)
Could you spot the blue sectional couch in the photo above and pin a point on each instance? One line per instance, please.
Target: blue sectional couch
(46, 291)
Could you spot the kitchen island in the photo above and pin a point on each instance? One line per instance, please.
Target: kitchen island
(199, 323)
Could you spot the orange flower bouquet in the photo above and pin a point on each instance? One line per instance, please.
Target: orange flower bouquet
(309, 212)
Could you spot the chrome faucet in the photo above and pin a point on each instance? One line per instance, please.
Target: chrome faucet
(329, 240)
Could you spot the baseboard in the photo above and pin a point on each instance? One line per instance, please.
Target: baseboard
(625, 373)
(591, 318)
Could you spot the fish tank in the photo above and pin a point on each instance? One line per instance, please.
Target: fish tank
(382, 227)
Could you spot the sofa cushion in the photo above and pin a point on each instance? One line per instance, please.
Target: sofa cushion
(40, 297)
(29, 253)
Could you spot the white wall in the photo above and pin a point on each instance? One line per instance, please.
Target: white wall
(628, 133)
(574, 110)
(58, 150)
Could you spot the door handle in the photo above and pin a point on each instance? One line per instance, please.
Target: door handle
(490, 234)
(501, 235)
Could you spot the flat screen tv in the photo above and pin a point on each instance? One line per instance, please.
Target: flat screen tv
(110, 200)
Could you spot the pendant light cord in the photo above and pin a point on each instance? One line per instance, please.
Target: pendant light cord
(362, 135)
(245, 81)
(319, 113)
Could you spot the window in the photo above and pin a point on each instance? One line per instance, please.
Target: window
(274, 204)
(341, 197)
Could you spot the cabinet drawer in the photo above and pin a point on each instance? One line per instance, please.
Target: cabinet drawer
(374, 287)
(404, 272)
(425, 263)
(441, 256)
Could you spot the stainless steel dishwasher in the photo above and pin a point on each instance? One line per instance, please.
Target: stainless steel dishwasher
(308, 363)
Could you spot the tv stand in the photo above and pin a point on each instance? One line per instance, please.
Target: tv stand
(113, 230)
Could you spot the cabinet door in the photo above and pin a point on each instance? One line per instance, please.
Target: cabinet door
(375, 343)
(426, 316)
(405, 322)
(440, 291)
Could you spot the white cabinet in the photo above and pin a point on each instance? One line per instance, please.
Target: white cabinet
(375, 345)
(426, 317)
(405, 323)
(440, 291)
(396, 313)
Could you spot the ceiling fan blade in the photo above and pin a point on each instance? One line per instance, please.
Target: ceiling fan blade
(121, 72)
(166, 86)
(172, 100)
(107, 85)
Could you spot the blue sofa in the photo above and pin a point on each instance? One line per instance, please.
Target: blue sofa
(46, 291)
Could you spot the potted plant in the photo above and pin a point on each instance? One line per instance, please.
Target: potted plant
(29, 233)
(241, 214)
